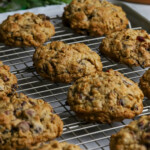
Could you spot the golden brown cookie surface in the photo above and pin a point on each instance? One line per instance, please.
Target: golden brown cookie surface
(94, 17)
(25, 121)
(26, 29)
(135, 136)
(145, 83)
(54, 145)
(105, 97)
(60, 62)
(8, 81)
(131, 47)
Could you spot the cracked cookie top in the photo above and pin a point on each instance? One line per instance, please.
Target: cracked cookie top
(131, 47)
(26, 29)
(8, 81)
(105, 97)
(135, 136)
(94, 17)
(145, 83)
(25, 121)
(54, 145)
(60, 62)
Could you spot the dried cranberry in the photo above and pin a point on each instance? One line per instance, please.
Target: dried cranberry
(140, 38)
(52, 119)
(32, 103)
(5, 78)
(141, 125)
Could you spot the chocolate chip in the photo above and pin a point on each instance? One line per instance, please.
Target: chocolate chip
(141, 125)
(148, 49)
(6, 131)
(89, 98)
(121, 102)
(140, 38)
(38, 129)
(23, 103)
(127, 37)
(147, 128)
(24, 126)
(14, 87)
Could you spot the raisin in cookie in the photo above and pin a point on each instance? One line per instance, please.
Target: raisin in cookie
(94, 17)
(145, 83)
(54, 145)
(26, 29)
(25, 121)
(60, 62)
(8, 81)
(135, 136)
(131, 47)
(105, 97)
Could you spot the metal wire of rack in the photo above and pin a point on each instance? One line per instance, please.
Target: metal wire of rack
(91, 136)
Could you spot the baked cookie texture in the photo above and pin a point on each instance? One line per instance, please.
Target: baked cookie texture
(131, 47)
(54, 145)
(145, 83)
(60, 62)
(94, 17)
(8, 81)
(105, 97)
(26, 29)
(25, 121)
(135, 136)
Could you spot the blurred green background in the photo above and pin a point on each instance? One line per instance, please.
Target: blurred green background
(10, 5)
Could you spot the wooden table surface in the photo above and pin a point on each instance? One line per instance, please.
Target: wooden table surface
(139, 1)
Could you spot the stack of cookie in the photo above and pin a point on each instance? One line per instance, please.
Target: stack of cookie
(95, 96)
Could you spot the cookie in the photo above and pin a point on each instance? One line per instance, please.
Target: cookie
(145, 83)
(94, 17)
(131, 47)
(25, 121)
(54, 145)
(26, 29)
(8, 81)
(60, 62)
(135, 136)
(105, 97)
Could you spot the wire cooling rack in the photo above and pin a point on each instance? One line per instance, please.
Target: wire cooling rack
(90, 136)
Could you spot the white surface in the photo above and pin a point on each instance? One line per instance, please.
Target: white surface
(58, 10)
(144, 10)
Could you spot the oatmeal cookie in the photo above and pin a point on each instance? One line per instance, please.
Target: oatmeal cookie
(131, 47)
(8, 81)
(94, 17)
(54, 145)
(145, 83)
(25, 121)
(26, 29)
(105, 97)
(60, 62)
(135, 136)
